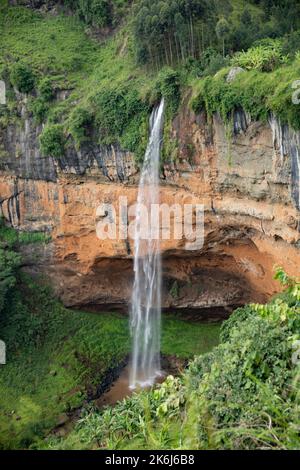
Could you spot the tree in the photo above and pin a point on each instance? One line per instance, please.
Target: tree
(52, 141)
(9, 263)
(246, 17)
(171, 31)
(22, 77)
(222, 31)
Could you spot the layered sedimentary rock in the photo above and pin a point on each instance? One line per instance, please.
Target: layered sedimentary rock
(247, 178)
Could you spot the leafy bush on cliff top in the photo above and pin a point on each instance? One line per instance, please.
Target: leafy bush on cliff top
(121, 116)
(80, 125)
(264, 57)
(52, 141)
(258, 93)
(45, 89)
(168, 85)
(22, 77)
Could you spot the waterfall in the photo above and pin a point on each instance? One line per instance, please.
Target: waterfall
(146, 297)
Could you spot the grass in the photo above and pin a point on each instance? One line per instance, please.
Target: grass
(11, 237)
(186, 339)
(40, 382)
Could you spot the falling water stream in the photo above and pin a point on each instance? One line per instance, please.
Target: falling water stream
(146, 297)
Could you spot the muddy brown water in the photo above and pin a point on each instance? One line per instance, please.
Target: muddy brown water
(117, 391)
(120, 389)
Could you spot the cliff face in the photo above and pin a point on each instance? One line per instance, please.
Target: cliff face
(248, 181)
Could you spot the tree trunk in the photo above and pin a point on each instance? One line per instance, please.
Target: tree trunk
(192, 37)
(170, 46)
(177, 48)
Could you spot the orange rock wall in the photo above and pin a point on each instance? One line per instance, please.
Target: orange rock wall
(251, 221)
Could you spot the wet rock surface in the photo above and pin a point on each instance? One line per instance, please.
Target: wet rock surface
(247, 182)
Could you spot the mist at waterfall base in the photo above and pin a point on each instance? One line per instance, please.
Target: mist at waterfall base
(145, 318)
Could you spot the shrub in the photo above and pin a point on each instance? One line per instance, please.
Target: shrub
(235, 320)
(115, 109)
(22, 77)
(198, 103)
(291, 43)
(45, 89)
(52, 141)
(9, 263)
(94, 12)
(168, 85)
(216, 63)
(80, 123)
(256, 92)
(39, 109)
(135, 137)
(264, 57)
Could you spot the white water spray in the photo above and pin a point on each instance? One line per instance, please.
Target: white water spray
(146, 298)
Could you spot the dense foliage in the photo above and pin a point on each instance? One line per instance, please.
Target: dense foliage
(180, 45)
(52, 141)
(10, 259)
(99, 13)
(169, 32)
(114, 109)
(22, 77)
(80, 125)
(258, 93)
(9, 264)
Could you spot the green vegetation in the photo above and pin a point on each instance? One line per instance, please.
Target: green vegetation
(10, 260)
(56, 360)
(242, 395)
(172, 32)
(168, 32)
(11, 239)
(265, 57)
(258, 93)
(115, 109)
(22, 78)
(80, 125)
(52, 141)
(222, 31)
(185, 339)
(99, 13)
(168, 86)
(160, 49)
